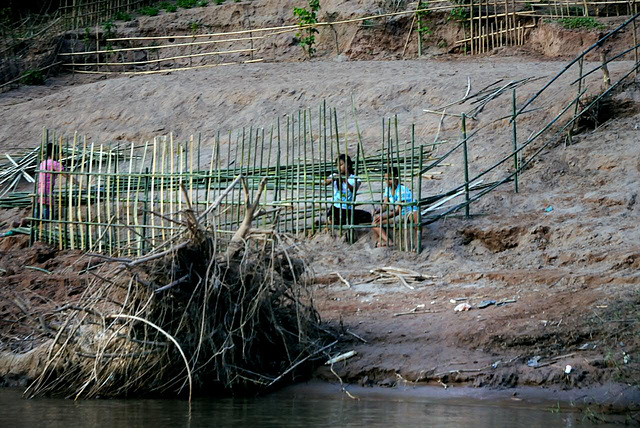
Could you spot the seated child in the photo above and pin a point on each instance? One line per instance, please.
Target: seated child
(345, 186)
(394, 193)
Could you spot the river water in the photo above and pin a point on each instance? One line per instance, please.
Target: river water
(323, 406)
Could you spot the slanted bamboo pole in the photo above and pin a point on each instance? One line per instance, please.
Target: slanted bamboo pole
(466, 164)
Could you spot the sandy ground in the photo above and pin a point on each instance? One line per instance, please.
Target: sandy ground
(573, 271)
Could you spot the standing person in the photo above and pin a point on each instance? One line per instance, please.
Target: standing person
(394, 193)
(46, 184)
(345, 185)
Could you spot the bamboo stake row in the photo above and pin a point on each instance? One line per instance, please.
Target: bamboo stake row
(126, 200)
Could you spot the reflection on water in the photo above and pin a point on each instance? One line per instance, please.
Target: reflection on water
(288, 408)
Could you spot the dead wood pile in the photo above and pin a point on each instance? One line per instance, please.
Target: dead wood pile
(195, 314)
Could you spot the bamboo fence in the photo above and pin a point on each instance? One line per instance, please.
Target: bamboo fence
(496, 23)
(86, 13)
(118, 198)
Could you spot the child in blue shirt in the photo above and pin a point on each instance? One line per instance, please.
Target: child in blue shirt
(394, 195)
(345, 185)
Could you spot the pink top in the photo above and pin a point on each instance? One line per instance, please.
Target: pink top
(47, 181)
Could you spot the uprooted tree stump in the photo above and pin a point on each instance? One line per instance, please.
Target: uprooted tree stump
(196, 313)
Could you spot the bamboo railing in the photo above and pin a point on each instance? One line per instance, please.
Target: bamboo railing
(493, 24)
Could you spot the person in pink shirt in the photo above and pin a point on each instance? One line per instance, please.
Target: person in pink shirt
(45, 204)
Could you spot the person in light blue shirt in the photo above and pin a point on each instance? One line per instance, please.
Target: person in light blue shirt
(394, 197)
(345, 185)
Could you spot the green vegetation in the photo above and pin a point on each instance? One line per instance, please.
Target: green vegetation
(306, 36)
(186, 4)
(85, 37)
(148, 11)
(122, 16)
(458, 14)
(32, 77)
(420, 15)
(580, 22)
(108, 33)
(202, 3)
(167, 7)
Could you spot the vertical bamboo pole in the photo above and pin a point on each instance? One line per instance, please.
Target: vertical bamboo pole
(303, 159)
(136, 207)
(89, 192)
(419, 28)
(172, 192)
(154, 170)
(325, 163)
(108, 200)
(58, 203)
(65, 215)
(145, 212)
(466, 164)
(402, 172)
(181, 172)
(191, 172)
(471, 27)
(163, 171)
(128, 201)
(330, 161)
(212, 160)
(197, 173)
(116, 229)
(340, 177)
(496, 38)
(412, 225)
(313, 172)
(419, 199)
(286, 181)
(70, 195)
(99, 198)
(635, 38)
(486, 25)
(515, 142)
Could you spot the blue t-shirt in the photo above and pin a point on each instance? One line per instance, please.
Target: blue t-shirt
(402, 195)
(342, 193)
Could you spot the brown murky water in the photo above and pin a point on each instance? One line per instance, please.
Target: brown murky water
(287, 408)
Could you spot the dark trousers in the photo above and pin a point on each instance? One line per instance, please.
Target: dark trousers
(345, 216)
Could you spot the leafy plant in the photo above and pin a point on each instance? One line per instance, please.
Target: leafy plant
(202, 3)
(32, 77)
(186, 4)
(306, 34)
(122, 16)
(148, 11)
(580, 22)
(108, 33)
(194, 26)
(458, 14)
(219, 2)
(85, 37)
